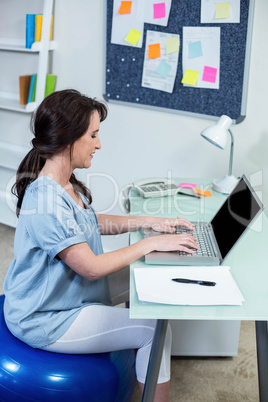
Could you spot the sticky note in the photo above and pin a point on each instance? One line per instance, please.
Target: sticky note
(159, 10)
(187, 185)
(209, 74)
(125, 7)
(223, 10)
(195, 49)
(154, 51)
(190, 77)
(172, 45)
(202, 192)
(163, 69)
(133, 37)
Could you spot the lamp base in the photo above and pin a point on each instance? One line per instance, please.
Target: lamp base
(224, 185)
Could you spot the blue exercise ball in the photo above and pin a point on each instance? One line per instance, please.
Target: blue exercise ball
(28, 374)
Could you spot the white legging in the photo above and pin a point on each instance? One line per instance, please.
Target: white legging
(99, 329)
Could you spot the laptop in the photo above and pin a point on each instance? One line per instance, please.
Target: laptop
(219, 236)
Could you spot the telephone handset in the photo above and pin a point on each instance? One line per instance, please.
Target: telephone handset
(156, 187)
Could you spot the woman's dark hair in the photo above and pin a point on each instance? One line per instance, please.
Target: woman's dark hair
(60, 120)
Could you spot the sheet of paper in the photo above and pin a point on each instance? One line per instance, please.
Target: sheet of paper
(187, 185)
(125, 7)
(201, 53)
(154, 12)
(155, 285)
(202, 192)
(122, 24)
(150, 75)
(215, 11)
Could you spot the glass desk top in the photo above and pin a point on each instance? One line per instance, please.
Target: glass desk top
(248, 260)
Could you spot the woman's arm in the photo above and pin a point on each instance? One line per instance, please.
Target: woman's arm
(82, 260)
(114, 224)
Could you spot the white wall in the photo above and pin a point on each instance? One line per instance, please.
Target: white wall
(138, 142)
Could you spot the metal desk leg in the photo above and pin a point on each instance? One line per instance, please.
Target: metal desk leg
(155, 361)
(262, 356)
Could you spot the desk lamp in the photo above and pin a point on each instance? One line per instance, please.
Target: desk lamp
(217, 135)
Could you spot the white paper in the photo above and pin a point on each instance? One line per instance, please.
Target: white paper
(149, 13)
(210, 42)
(150, 78)
(155, 285)
(123, 23)
(208, 10)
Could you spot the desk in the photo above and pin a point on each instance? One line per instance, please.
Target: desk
(248, 262)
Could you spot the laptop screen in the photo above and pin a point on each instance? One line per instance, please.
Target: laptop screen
(235, 215)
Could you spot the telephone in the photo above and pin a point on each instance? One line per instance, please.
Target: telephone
(156, 187)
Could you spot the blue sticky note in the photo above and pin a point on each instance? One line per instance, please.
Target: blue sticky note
(195, 49)
(163, 69)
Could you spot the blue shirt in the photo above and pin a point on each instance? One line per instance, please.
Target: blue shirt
(43, 295)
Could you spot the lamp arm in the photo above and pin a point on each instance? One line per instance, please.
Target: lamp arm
(231, 153)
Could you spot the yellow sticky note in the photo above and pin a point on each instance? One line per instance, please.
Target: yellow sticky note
(172, 45)
(125, 7)
(223, 10)
(202, 192)
(154, 51)
(190, 77)
(133, 37)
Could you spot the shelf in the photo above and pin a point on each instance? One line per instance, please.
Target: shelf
(10, 101)
(7, 209)
(11, 155)
(18, 45)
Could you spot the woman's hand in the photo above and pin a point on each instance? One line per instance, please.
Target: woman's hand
(168, 225)
(182, 242)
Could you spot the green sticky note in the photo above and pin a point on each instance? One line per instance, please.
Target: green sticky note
(133, 37)
(172, 45)
(190, 77)
(223, 10)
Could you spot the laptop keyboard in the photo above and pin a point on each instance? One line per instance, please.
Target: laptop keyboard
(201, 236)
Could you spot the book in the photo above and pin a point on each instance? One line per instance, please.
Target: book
(50, 84)
(38, 27)
(32, 89)
(24, 84)
(30, 30)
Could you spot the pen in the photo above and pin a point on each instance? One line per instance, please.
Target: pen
(193, 281)
(189, 195)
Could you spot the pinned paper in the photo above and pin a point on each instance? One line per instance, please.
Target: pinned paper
(133, 37)
(209, 74)
(159, 10)
(187, 185)
(223, 10)
(163, 69)
(154, 51)
(172, 45)
(125, 7)
(190, 77)
(202, 192)
(195, 49)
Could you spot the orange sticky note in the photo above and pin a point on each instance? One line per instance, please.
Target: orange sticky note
(154, 51)
(125, 7)
(202, 192)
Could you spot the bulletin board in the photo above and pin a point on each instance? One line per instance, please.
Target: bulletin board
(124, 67)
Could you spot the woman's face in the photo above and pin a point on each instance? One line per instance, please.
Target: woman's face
(86, 146)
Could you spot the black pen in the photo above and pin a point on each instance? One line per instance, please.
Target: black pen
(193, 281)
(189, 195)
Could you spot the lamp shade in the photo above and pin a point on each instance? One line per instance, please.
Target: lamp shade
(217, 134)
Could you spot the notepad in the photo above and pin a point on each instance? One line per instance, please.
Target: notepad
(155, 285)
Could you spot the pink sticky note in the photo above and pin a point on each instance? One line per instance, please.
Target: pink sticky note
(209, 74)
(159, 10)
(187, 185)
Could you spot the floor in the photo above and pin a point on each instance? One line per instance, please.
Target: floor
(209, 379)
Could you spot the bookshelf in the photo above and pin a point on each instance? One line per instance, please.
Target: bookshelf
(15, 57)
(9, 100)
